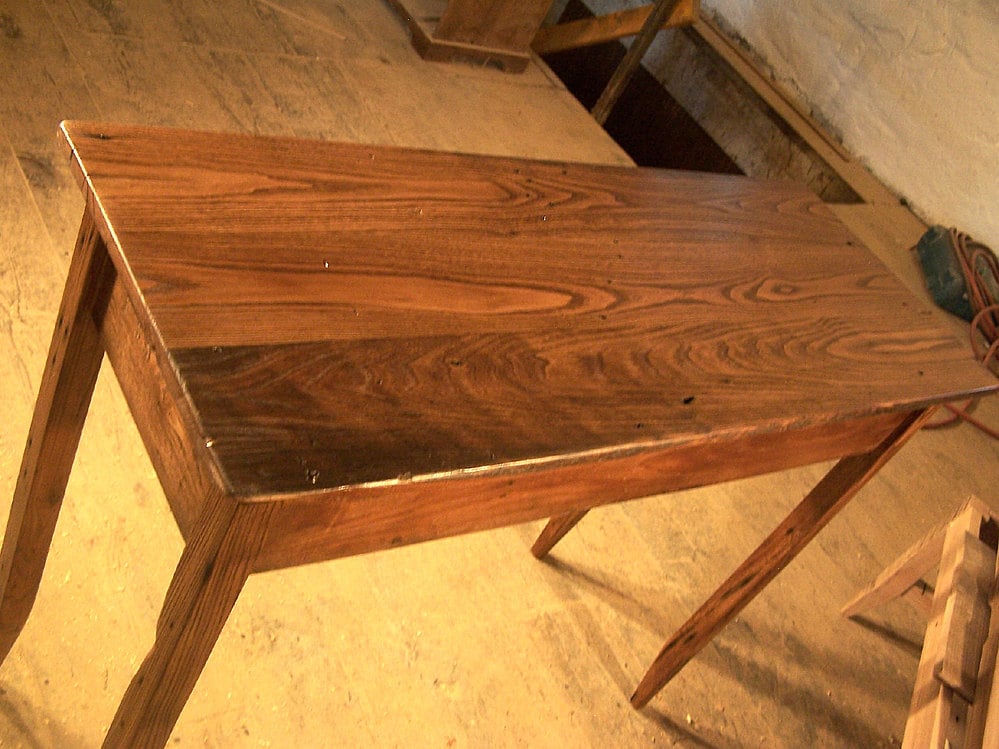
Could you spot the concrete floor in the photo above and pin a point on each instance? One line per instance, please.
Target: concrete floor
(463, 642)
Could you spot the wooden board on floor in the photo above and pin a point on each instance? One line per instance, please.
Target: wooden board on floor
(605, 28)
(482, 31)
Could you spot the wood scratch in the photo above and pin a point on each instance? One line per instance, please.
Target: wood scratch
(302, 19)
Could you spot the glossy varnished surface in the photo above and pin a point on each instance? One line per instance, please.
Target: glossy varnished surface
(342, 314)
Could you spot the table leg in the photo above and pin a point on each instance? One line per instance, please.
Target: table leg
(67, 385)
(211, 573)
(552, 533)
(780, 547)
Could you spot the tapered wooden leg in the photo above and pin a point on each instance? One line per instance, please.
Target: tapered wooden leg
(63, 399)
(552, 533)
(780, 547)
(205, 586)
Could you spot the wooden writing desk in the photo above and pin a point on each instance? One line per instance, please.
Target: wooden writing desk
(332, 349)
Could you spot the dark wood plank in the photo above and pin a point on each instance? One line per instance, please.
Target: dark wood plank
(305, 416)
(64, 396)
(317, 525)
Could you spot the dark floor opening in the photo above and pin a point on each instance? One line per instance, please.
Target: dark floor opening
(646, 121)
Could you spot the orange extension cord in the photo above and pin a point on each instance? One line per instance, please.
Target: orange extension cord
(976, 260)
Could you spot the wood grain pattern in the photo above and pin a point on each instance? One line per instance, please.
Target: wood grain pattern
(401, 312)
(937, 715)
(966, 618)
(354, 348)
(906, 572)
(981, 724)
(319, 525)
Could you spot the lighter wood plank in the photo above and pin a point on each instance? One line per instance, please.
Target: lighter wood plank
(983, 728)
(966, 619)
(605, 28)
(989, 733)
(911, 566)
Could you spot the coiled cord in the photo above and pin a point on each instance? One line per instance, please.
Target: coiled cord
(976, 261)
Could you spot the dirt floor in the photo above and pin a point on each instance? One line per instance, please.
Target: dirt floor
(462, 642)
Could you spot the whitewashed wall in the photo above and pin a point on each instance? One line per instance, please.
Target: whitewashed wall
(911, 88)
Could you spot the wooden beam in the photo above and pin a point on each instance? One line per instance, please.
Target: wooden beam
(810, 516)
(983, 716)
(599, 29)
(632, 59)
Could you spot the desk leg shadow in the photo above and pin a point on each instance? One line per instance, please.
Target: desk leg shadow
(803, 523)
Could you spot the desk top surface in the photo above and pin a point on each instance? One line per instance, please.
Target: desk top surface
(341, 314)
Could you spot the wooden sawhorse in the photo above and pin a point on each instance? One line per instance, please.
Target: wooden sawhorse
(950, 700)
